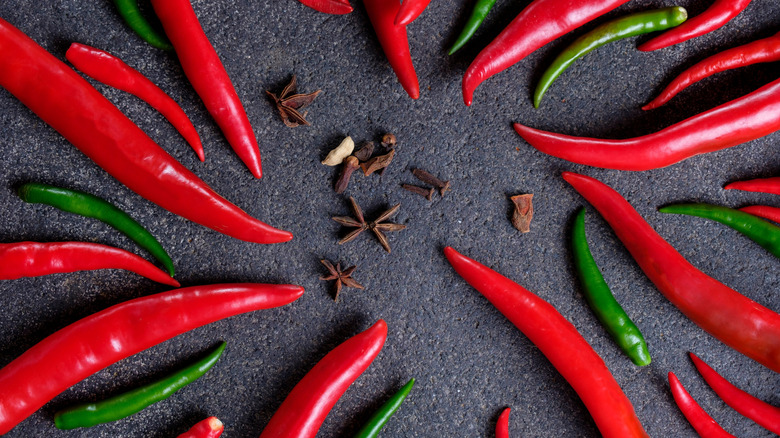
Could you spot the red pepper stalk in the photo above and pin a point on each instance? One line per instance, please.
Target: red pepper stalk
(734, 319)
(764, 211)
(336, 7)
(701, 421)
(539, 23)
(560, 342)
(761, 185)
(410, 10)
(209, 428)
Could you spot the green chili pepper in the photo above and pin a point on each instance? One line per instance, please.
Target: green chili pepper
(124, 405)
(628, 26)
(754, 228)
(382, 416)
(130, 12)
(625, 333)
(88, 205)
(481, 9)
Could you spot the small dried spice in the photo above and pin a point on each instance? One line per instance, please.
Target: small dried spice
(523, 213)
(350, 165)
(289, 104)
(428, 178)
(364, 153)
(342, 151)
(377, 163)
(377, 225)
(343, 278)
(389, 141)
(422, 191)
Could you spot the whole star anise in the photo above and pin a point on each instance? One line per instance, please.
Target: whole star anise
(377, 225)
(342, 277)
(288, 103)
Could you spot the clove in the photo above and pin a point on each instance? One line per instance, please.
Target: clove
(523, 213)
(428, 178)
(350, 165)
(377, 163)
(422, 191)
(364, 154)
(389, 141)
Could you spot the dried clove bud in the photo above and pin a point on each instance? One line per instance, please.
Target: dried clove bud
(524, 212)
(389, 141)
(422, 191)
(342, 151)
(428, 178)
(377, 163)
(364, 153)
(350, 164)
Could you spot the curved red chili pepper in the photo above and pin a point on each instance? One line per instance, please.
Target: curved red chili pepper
(701, 421)
(33, 259)
(208, 77)
(307, 405)
(762, 185)
(502, 426)
(336, 7)
(560, 342)
(734, 319)
(70, 105)
(765, 50)
(717, 15)
(394, 41)
(97, 341)
(410, 10)
(741, 120)
(209, 428)
(539, 23)
(764, 211)
(112, 71)
(757, 410)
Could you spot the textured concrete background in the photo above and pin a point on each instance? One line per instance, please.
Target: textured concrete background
(469, 361)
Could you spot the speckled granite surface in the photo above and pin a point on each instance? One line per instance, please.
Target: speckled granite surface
(469, 361)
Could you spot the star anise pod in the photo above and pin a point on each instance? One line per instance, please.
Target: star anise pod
(342, 277)
(377, 225)
(288, 103)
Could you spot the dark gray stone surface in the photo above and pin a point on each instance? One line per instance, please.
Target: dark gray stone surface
(469, 361)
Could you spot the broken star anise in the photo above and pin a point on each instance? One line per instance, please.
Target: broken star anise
(377, 225)
(288, 103)
(342, 277)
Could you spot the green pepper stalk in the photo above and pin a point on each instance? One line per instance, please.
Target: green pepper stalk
(130, 12)
(478, 15)
(612, 316)
(383, 414)
(129, 403)
(615, 30)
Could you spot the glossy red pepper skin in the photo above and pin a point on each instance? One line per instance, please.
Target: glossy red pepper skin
(410, 10)
(394, 41)
(305, 408)
(757, 410)
(717, 15)
(33, 259)
(701, 421)
(70, 105)
(335, 7)
(97, 341)
(765, 50)
(734, 319)
(764, 211)
(112, 71)
(741, 120)
(762, 185)
(560, 342)
(209, 428)
(208, 77)
(538, 24)
(502, 426)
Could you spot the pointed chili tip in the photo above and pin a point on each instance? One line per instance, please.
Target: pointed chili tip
(380, 327)
(731, 186)
(257, 172)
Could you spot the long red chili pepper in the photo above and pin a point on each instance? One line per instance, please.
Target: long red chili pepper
(67, 102)
(741, 120)
(734, 319)
(33, 259)
(717, 15)
(764, 211)
(336, 7)
(208, 77)
(307, 405)
(394, 41)
(560, 342)
(410, 10)
(112, 71)
(757, 410)
(765, 50)
(502, 426)
(762, 185)
(539, 23)
(209, 428)
(97, 341)
(701, 421)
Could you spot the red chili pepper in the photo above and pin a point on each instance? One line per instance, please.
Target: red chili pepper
(757, 410)
(717, 15)
(33, 259)
(734, 319)
(764, 211)
(67, 102)
(97, 341)
(208, 77)
(304, 410)
(336, 7)
(539, 23)
(209, 428)
(502, 426)
(765, 50)
(560, 342)
(701, 421)
(394, 41)
(112, 71)
(410, 10)
(741, 120)
(762, 185)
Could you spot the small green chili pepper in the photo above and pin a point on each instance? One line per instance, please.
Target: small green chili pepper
(754, 228)
(625, 27)
(130, 12)
(124, 405)
(88, 205)
(625, 333)
(481, 10)
(383, 414)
